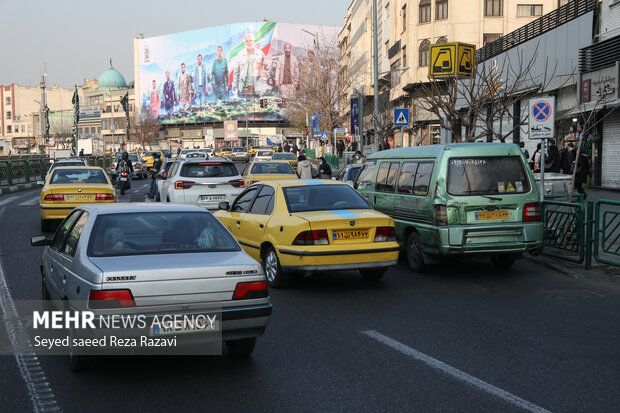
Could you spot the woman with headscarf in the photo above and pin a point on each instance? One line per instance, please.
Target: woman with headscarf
(325, 171)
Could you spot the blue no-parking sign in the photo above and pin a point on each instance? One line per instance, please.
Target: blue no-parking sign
(542, 118)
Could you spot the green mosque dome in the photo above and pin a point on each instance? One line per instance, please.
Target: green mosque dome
(112, 78)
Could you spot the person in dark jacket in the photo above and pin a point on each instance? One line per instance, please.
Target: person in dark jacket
(583, 171)
(325, 170)
(552, 161)
(567, 157)
(154, 170)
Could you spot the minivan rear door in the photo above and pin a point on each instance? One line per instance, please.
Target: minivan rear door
(385, 187)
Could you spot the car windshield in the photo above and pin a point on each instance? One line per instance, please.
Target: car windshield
(487, 176)
(323, 198)
(272, 168)
(284, 156)
(208, 170)
(167, 154)
(353, 172)
(152, 153)
(264, 153)
(132, 157)
(78, 176)
(158, 232)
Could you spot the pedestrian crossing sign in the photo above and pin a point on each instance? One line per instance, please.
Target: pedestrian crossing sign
(401, 117)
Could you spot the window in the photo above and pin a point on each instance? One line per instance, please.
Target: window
(364, 178)
(415, 178)
(490, 38)
(63, 230)
(442, 39)
(404, 14)
(386, 176)
(423, 53)
(404, 57)
(395, 73)
(117, 108)
(441, 9)
(108, 109)
(8, 114)
(322, 198)
(493, 7)
(562, 2)
(529, 10)
(74, 235)
(9, 129)
(263, 201)
(423, 178)
(407, 177)
(425, 11)
(487, 176)
(8, 100)
(242, 204)
(23, 128)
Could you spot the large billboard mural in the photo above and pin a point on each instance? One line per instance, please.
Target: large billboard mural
(241, 71)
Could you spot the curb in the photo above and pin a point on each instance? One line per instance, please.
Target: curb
(17, 188)
(552, 265)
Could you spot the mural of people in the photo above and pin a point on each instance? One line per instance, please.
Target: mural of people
(170, 96)
(219, 75)
(249, 67)
(308, 80)
(287, 73)
(201, 83)
(185, 88)
(155, 104)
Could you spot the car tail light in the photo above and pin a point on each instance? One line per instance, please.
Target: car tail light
(104, 197)
(247, 290)
(54, 197)
(237, 183)
(124, 174)
(440, 215)
(110, 299)
(137, 165)
(531, 212)
(183, 184)
(312, 238)
(164, 174)
(113, 166)
(385, 234)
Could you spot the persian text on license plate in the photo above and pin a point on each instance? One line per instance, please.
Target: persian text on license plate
(180, 325)
(212, 198)
(79, 197)
(484, 215)
(344, 235)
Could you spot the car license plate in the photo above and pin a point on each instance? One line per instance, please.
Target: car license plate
(199, 323)
(485, 215)
(123, 179)
(79, 198)
(344, 235)
(209, 198)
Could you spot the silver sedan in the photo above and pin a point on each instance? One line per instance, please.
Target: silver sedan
(155, 259)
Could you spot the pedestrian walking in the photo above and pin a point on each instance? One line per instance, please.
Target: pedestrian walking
(567, 157)
(304, 167)
(325, 171)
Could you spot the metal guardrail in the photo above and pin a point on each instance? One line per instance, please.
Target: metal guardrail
(333, 161)
(564, 230)
(18, 170)
(607, 232)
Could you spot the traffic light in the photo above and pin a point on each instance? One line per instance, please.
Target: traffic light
(283, 102)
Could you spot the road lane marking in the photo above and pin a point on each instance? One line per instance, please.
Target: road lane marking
(454, 372)
(39, 388)
(6, 201)
(31, 201)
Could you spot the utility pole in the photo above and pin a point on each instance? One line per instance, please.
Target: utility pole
(376, 71)
(43, 106)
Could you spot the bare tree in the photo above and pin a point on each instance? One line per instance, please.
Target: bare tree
(143, 129)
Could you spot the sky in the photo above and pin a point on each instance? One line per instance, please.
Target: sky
(72, 40)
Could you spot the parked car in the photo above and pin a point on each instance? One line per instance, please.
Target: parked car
(268, 171)
(263, 155)
(310, 226)
(138, 165)
(474, 199)
(201, 182)
(240, 154)
(349, 173)
(131, 259)
(67, 187)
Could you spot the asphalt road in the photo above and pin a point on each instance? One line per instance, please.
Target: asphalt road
(463, 337)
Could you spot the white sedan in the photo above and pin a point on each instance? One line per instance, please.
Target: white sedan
(201, 182)
(263, 155)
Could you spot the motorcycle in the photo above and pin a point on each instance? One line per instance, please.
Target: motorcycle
(123, 182)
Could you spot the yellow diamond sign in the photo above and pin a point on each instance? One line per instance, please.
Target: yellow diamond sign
(451, 59)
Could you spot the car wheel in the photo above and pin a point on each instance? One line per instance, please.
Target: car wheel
(502, 261)
(415, 256)
(46, 225)
(79, 362)
(273, 270)
(372, 276)
(157, 197)
(241, 348)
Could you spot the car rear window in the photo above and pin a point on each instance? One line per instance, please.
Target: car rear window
(323, 198)
(208, 170)
(152, 153)
(272, 168)
(238, 149)
(72, 163)
(158, 232)
(81, 176)
(284, 156)
(132, 157)
(487, 176)
(264, 153)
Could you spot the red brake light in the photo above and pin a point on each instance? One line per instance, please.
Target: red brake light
(183, 184)
(385, 234)
(531, 212)
(113, 166)
(104, 197)
(54, 197)
(124, 173)
(248, 290)
(237, 183)
(110, 299)
(312, 238)
(440, 215)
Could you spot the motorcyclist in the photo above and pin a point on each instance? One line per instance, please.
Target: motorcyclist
(153, 171)
(124, 165)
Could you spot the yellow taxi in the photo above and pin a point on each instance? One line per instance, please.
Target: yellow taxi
(67, 187)
(252, 150)
(267, 171)
(149, 160)
(308, 226)
(227, 151)
(285, 156)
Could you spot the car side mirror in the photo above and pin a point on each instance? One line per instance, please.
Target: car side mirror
(334, 178)
(40, 241)
(224, 206)
(349, 182)
(40, 183)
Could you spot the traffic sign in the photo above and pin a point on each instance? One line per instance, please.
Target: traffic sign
(401, 117)
(451, 59)
(542, 118)
(324, 135)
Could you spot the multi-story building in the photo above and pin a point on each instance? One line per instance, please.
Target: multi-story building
(415, 25)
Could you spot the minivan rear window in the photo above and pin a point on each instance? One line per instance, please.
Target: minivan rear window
(487, 176)
(208, 170)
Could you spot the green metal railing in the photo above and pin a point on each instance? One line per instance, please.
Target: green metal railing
(607, 231)
(333, 161)
(23, 169)
(564, 230)
(310, 153)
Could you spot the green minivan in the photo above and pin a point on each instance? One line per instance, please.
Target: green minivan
(462, 199)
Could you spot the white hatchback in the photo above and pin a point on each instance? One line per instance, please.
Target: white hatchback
(202, 182)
